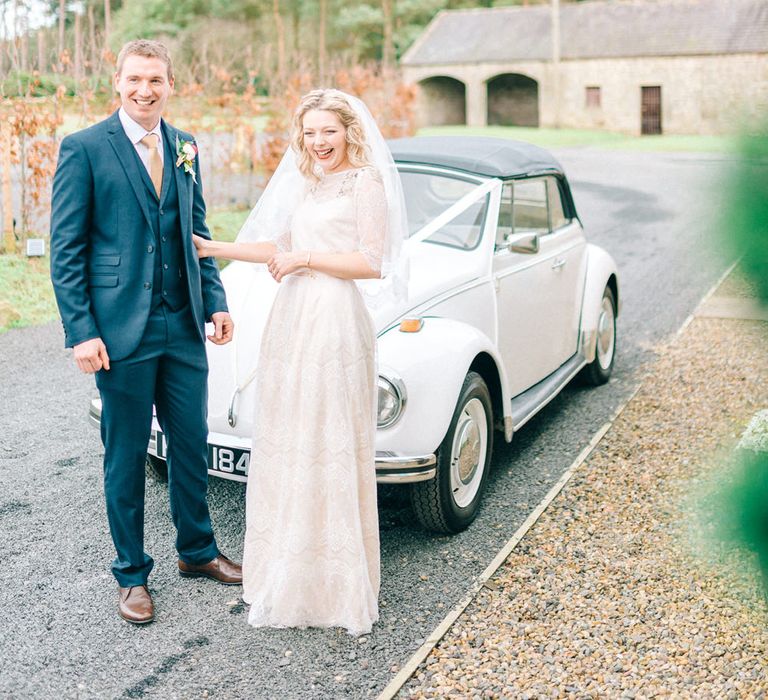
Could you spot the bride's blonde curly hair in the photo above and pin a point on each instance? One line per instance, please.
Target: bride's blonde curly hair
(332, 101)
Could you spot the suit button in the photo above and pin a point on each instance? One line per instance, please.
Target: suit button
(165, 266)
(165, 294)
(161, 212)
(164, 239)
(150, 249)
(147, 285)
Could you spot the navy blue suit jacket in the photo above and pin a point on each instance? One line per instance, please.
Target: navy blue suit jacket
(102, 238)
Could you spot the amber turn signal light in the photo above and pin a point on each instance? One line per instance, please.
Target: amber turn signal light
(411, 325)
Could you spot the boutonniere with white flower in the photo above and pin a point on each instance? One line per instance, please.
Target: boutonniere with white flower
(186, 152)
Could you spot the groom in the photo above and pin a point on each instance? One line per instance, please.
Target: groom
(134, 299)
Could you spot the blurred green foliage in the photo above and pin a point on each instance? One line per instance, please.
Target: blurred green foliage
(354, 29)
(749, 504)
(745, 219)
(33, 84)
(744, 222)
(20, 84)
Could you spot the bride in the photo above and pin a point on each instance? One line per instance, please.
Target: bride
(333, 213)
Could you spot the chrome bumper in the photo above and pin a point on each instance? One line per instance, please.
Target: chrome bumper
(94, 413)
(398, 469)
(391, 468)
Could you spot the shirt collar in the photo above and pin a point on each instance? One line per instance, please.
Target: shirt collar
(136, 131)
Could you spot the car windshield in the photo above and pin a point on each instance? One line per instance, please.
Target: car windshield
(429, 194)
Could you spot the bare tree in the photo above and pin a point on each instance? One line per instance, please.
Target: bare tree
(280, 31)
(78, 47)
(62, 22)
(94, 54)
(296, 26)
(22, 32)
(9, 240)
(3, 42)
(42, 63)
(107, 23)
(13, 41)
(388, 48)
(322, 52)
(206, 64)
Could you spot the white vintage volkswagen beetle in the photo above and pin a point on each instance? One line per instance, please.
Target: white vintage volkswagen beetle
(507, 302)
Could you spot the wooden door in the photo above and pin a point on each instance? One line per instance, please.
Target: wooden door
(651, 110)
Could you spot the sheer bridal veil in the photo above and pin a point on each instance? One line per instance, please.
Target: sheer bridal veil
(270, 219)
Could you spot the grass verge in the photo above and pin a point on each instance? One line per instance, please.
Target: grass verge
(224, 224)
(25, 283)
(560, 138)
(25, 287)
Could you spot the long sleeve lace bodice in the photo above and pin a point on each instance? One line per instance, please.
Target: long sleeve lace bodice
(342, 213)
(371, 216)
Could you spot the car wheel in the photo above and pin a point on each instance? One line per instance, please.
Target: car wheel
(599, 370)
(157, 468)
(450, 501)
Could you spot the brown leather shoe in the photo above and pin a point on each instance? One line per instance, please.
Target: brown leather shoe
(135, 605)
(219, 569)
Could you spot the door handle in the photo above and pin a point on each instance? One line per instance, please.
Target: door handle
(558, 263)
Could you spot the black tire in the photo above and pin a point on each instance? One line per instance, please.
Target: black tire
(449, 503)
(157, 469)
(599, 370)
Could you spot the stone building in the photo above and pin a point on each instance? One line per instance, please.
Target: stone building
(633, 66)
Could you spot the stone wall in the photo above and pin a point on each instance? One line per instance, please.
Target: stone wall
(699, 94)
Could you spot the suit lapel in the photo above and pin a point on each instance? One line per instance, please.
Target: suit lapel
(128, 159)
(169, 163)
(183, 183)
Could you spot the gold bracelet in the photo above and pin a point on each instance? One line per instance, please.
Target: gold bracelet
(309, 259)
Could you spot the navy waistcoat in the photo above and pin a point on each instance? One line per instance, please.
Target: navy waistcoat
(168, 284)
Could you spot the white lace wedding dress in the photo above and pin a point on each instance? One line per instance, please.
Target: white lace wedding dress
(311, 555)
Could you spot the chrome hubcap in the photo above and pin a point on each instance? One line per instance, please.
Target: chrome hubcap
(470, 443)
(606, 334)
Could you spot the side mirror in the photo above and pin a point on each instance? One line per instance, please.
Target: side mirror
(523, 243)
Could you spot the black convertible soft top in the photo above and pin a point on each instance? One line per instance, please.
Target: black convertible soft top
(482, 155)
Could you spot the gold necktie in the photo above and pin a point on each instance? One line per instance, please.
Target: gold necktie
(155, 164)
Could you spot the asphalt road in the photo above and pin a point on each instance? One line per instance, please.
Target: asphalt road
(60, 635)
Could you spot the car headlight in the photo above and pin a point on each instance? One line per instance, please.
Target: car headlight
(391, 400)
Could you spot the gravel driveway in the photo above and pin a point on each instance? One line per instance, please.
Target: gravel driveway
(619, 590)
(62, 637)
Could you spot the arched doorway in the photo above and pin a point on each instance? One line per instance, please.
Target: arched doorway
(442, 101)
(513, 100)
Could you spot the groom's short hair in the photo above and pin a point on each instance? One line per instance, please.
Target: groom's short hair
(147, 48)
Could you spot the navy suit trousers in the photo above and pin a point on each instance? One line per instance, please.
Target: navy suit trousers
(170, 369)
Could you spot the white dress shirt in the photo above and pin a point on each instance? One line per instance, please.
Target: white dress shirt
(135, 132)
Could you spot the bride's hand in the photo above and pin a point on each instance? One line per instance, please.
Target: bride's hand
(202, 245)
(282, 264)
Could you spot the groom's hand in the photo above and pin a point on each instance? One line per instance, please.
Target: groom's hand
(201, 246)
(223, 327)
(91, 356)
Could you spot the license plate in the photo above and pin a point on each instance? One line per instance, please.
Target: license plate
(227, 462)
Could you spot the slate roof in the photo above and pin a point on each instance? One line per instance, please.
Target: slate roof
(503, 158)
(599, 29)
